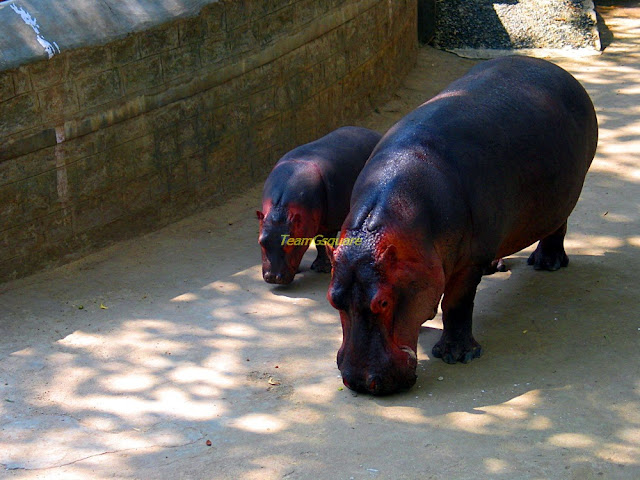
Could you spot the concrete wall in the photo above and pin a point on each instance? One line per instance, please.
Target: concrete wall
(118, 133)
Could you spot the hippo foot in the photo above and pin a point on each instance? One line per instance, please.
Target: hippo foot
(321, 265)
(546, 260)
(452, 352)
(495, 266)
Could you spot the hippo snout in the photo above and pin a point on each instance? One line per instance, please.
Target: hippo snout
(378, 383)
(373, 384)
(389, 375)
(277, 278)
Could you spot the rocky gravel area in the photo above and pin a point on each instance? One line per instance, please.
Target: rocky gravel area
(516, 24)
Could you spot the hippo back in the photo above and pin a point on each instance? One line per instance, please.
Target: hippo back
(516, 135)
(338, 158)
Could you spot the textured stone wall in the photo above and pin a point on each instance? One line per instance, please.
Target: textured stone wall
(103, 142)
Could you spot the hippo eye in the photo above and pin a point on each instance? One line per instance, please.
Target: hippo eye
(337, 298)
(384, 304)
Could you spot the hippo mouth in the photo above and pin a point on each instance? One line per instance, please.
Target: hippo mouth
(410, 353)
(277, 272)
(394, 373)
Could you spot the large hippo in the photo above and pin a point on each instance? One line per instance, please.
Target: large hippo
(307, 194)
(484, 169)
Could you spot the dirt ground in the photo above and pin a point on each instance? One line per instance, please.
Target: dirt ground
(128, 363)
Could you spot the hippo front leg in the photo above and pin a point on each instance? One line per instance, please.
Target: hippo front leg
(457, 343)
(322, 263)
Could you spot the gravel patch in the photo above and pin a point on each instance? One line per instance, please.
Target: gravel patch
(509, 25)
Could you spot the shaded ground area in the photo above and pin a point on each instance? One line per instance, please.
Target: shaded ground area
(125, 363)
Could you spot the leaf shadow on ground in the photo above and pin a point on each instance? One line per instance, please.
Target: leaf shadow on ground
(194, 346)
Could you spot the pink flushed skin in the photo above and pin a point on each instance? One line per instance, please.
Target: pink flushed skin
(306, 194)
(280, 262)
(399, 282)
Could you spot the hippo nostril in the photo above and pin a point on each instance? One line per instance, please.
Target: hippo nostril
(269, 277)
(373, 384)
(276, 278)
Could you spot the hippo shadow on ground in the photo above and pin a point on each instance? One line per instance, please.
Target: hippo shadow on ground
(551, 354)
(536, 325)
(307, 283)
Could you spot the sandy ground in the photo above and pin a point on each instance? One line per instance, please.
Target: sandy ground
(191, 346)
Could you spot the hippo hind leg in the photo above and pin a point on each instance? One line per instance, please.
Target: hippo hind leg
(550, 254)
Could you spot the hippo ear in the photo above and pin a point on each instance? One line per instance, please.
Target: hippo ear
(330, 248)
(260, 215)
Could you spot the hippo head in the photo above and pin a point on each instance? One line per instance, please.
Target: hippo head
(385, 289)
(285, 235)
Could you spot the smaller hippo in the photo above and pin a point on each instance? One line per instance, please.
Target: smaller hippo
(307, 194)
